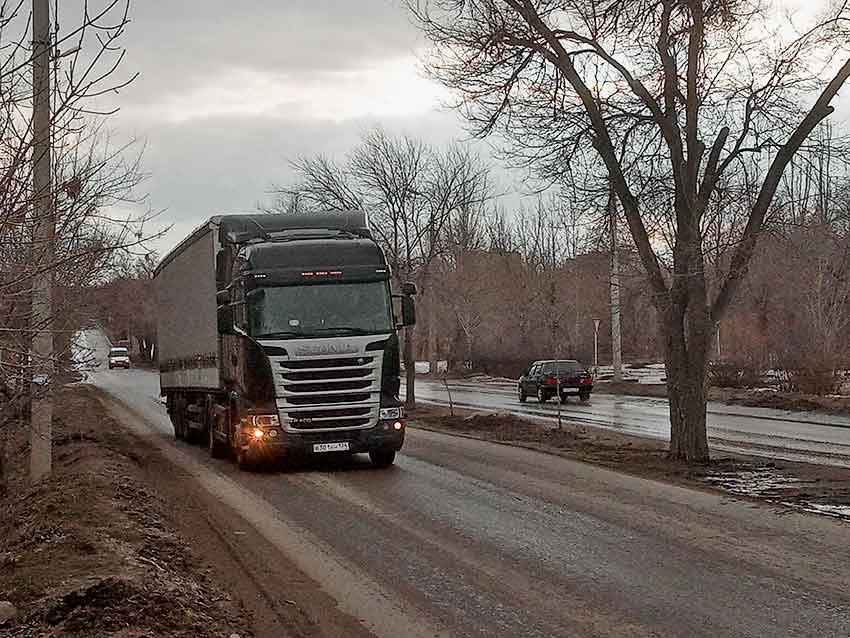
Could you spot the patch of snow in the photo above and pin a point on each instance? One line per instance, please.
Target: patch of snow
(836, 511)
(753, 482)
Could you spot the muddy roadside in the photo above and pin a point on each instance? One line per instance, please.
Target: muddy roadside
(747, 397)
(817, 489)
(119, 542)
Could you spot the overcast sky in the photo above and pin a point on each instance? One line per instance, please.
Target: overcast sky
(229, 90)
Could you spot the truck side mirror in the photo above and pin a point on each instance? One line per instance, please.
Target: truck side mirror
(222, 297)
(408, 288)
(225, 320)
(408, 311)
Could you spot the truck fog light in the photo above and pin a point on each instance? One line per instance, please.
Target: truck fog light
(258, 433)
(398, 425)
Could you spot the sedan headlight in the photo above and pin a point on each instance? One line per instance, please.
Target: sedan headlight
(388, 414)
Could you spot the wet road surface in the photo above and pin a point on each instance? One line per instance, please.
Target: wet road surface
(795, 436)
(467, 538)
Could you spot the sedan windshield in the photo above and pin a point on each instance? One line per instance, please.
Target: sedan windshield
(320, 310)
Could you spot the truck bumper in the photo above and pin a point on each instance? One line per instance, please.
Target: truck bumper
(301, 443)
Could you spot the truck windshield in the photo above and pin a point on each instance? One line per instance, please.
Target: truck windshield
(320, 310)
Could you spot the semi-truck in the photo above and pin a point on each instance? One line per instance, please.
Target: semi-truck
(278, 337)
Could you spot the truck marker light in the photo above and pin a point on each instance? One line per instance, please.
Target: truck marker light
(397, 425)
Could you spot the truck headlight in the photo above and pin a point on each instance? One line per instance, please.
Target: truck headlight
(388, 414)
(260, 421)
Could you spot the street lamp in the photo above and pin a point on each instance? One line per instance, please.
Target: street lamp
(596, 323)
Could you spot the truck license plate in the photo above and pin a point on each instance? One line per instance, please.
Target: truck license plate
(331, 447)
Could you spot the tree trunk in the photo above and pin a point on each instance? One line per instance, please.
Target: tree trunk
(686, 392)
(688, 332)
(410, 367)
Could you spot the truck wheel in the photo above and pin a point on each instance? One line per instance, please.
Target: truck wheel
(178, 418)
(243, 459)
(584, 396)
(382, 458)
(218, 448)
(542, 397)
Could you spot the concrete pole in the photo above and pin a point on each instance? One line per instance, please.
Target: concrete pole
(616, 342)
(719, 353)
(595, 344)
(41, 424)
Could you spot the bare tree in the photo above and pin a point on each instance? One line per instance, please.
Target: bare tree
(671, 95)
(411, 191)
(90, 177)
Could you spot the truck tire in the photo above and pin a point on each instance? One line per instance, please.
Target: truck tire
(382, 458)
(193, 435)
(218, 449)
(584, 396)
(178, 417)
(542, 396)
(244, 460)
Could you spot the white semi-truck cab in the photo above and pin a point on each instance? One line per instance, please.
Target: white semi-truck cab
(278, 337)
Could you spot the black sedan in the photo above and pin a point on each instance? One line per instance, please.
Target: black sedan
(546, 379)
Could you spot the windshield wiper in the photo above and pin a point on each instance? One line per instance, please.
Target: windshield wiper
(278, 335)
(348, 329)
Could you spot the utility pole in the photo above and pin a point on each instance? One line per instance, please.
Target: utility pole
(596, 323)
(41, 426)
(616, 343)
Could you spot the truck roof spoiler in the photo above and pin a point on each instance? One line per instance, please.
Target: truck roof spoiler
(244, 228)
(241, 229)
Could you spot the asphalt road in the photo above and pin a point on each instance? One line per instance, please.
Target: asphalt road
(796, 436)
(467, 538)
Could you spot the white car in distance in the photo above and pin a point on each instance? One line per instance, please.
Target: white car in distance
(119, 358)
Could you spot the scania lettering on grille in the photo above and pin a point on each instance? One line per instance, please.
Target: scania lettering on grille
(325, 348)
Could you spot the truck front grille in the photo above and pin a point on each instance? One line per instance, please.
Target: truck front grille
(325, 394)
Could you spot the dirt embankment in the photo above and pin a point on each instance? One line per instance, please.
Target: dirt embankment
(92, 551)
(120, 543)
(813, 488)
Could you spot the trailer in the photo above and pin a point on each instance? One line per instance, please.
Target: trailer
(278, 337)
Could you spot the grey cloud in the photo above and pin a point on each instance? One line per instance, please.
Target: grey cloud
(175, 45)
(215, 165)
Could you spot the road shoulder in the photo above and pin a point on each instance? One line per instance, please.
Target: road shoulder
(129, 537)
(815, 489)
